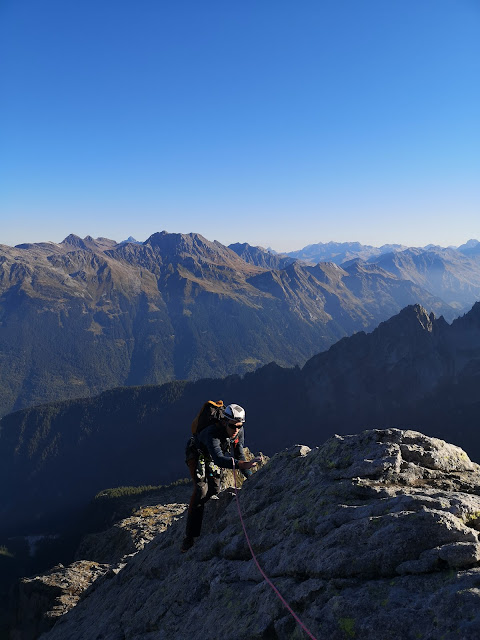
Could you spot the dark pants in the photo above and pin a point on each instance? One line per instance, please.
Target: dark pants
(205, 486)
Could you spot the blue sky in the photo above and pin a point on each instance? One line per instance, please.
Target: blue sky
(269, 122)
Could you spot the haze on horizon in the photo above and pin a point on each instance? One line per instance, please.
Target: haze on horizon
(123, 239)
(274, 124)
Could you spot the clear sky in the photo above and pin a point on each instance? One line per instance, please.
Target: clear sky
(273, 122)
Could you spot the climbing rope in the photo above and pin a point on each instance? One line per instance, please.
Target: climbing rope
(266, 578)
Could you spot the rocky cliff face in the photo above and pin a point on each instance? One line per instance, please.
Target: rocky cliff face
(414, 368)
(374, 535)
(389, 370)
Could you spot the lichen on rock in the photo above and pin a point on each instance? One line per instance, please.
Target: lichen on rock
(371, 535)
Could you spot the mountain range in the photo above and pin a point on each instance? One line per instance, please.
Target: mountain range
(87, 315)
(413, 371)
(451, 274)
(340, 252)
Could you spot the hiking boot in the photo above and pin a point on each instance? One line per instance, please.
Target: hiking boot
(187, 544)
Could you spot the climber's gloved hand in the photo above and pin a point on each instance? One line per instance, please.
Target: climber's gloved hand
(245, 465)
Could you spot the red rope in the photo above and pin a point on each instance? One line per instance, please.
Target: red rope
(267, 579)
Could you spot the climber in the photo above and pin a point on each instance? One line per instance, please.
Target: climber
(208, 453)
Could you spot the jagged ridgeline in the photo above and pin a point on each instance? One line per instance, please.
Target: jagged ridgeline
(83, 316)
(413, 371)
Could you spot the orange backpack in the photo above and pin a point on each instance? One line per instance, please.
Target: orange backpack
(210, 412)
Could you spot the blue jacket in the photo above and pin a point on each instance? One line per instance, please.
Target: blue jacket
(215, 442)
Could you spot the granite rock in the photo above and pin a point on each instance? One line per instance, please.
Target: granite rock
(373, 535)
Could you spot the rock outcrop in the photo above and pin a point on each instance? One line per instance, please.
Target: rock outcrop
(374, 535)
(129, 535)
(40, 600)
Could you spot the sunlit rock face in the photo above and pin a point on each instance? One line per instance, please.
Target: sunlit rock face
(374, 535)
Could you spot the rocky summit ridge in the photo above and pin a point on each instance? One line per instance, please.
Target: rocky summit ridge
(372, 535)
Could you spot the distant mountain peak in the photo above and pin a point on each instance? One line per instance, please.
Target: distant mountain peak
(341, 252)
(470, 248)
(197, 250)
(259, 256)
(471, 318)
(157, 235)
(416, 310)
(471, 243)
(75, 241)
(417, 315)
(178, 242)
(129, 240)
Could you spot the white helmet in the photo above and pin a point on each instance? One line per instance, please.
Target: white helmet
(234, 413)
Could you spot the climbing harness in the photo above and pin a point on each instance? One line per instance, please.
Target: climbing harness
(266, 578)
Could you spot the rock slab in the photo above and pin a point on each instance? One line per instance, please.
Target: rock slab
(373, 535)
